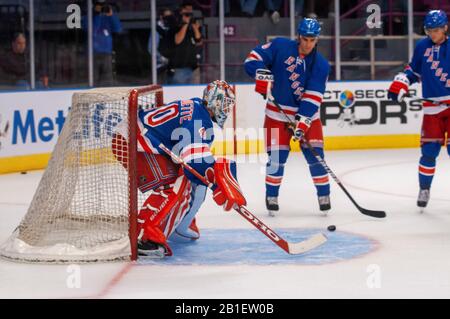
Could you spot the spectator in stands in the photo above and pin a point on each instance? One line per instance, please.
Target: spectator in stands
(248, 8)
(187, 40)
(273, 6)
(164, 41)
(299, 6)
(215, 8)
(105, 24)
(15, 66)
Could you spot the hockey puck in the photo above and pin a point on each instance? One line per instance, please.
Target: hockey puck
(23, 173)
(331, 228)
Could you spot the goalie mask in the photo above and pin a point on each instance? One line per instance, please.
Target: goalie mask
(220, 99)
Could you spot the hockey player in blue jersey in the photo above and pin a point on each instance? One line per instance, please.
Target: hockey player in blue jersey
(429, 65)
(298, 75)
(174, 194)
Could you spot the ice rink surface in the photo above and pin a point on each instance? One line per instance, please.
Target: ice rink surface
(406, 255)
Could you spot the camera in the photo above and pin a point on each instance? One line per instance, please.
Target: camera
(197, 17)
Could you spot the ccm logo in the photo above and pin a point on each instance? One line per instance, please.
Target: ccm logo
(255, 221)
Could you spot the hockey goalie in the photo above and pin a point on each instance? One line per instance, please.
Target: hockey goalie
(173, 195)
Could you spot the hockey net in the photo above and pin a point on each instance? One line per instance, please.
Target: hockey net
(85, 207)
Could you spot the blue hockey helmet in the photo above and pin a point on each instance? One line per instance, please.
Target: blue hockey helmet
(435, 19)
(309, 27)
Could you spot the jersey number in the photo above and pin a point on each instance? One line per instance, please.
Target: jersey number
(162, 115)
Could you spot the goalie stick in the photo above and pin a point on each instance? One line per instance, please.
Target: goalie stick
(368, 212)
(291, 248)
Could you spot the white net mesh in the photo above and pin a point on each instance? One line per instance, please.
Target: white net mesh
(80, 211)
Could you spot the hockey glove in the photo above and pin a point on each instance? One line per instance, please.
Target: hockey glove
(263, 77)
(227, 192)
(399, 87)
(302, 124)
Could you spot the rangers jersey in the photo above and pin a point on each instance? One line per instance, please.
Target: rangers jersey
(430, 65)
(185, 127)
(299, 81)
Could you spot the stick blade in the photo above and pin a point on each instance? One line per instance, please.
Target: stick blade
(307, 245)
(373, 213)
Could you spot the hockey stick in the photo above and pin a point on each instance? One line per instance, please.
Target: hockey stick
(291, 248)
(413, 99)
(368, 212)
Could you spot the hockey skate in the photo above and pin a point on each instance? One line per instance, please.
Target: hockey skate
(324, 203)
(423, 198)
(148, 249)
(272, 205)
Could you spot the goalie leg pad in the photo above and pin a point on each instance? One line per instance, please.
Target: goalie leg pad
(187, 229)
(162, 212)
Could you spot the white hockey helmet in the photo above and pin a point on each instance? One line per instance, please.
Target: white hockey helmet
(220, 100)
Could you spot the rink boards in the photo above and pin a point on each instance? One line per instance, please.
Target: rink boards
(355, 115)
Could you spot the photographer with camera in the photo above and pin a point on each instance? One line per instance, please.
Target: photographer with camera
(105, 23)
(187, 40)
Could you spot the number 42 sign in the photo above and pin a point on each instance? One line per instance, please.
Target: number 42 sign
(228, 30)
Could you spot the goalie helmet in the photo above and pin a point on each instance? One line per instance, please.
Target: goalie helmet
(220, 99)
